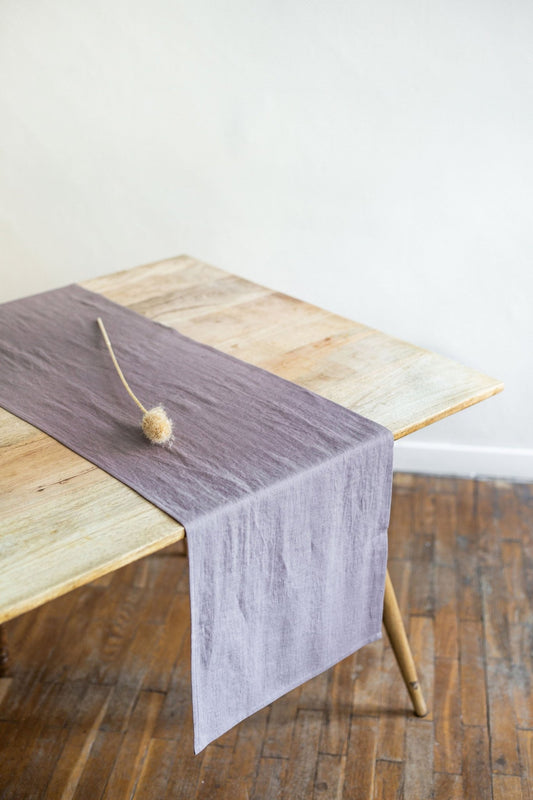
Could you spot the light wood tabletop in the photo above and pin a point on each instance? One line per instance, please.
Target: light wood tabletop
(64, 522)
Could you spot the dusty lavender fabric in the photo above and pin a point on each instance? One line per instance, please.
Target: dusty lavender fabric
(284, 495)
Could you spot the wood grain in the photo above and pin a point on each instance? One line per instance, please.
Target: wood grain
(65, 522)
(71, 729)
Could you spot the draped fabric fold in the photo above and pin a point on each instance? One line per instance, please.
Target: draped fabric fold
(284, 495)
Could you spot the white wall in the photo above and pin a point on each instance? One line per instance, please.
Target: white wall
(374, 158)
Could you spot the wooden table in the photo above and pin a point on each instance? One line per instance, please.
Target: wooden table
(65, 522)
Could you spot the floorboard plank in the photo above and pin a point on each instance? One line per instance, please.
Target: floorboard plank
(389, 781)
(473, 692)
(476, 764)
(448, 729)
(419, 747)
(360, 773)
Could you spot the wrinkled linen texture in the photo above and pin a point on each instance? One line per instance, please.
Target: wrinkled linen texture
(284, 495)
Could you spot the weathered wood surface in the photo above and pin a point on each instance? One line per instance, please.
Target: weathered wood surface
(98, 703)
(64, 522)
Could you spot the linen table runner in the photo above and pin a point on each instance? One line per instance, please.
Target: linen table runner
(284, 495)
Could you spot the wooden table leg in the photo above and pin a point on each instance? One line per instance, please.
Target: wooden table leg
(392, 619)
(4, 653)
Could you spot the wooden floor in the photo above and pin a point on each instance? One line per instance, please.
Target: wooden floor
(98, 702)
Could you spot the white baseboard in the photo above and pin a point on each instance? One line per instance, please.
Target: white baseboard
(468, 461)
